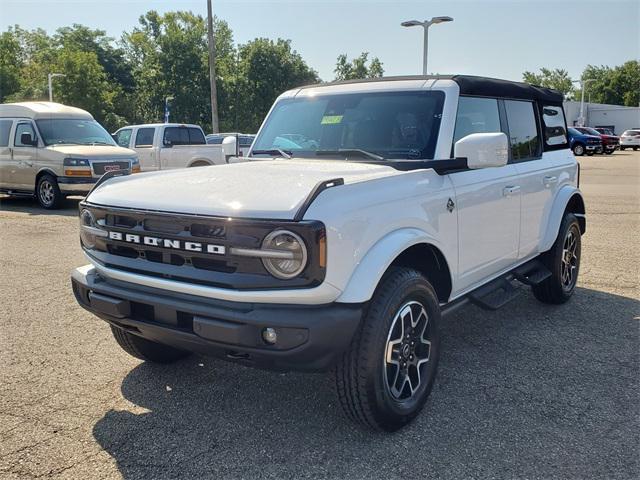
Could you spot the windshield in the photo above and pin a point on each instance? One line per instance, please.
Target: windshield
(591, 131)
(392, 125)
(73, 132)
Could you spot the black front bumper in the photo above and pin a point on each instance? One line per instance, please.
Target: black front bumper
(309, 338)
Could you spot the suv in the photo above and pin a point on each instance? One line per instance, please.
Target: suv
(582, 143)
(420, 194)
(49, 150)
(630, 139)
(609, 142)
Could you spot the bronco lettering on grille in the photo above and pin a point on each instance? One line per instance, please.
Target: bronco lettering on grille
(168, 243)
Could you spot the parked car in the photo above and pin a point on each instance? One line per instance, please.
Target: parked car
(49, 150)
(605, 131)
(582, 143)
(243, 140)
(609, 142)
(163, 146)
(630, 139)
(344, 256)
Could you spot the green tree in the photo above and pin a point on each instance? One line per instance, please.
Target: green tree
(557, 79)
(357, 68)
(10, 64)
(170, 58)
(266, 68)
(617, 86)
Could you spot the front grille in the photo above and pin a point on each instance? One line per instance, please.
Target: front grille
(100, 168)
(197, 249)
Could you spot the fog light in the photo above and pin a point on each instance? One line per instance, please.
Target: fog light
(269, 335)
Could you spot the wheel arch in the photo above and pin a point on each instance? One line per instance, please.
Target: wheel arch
(568, 200)
(44, 171)
(199, 162)
(409, 248)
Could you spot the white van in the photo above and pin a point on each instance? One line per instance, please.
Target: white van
(51, 150)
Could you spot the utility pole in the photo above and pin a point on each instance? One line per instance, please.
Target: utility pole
(425, 40)
(583, 84)
(215, 128)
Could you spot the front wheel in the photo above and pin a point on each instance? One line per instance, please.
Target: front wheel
(578, 150)
(563, 260)
(48, 192)
(385, 377)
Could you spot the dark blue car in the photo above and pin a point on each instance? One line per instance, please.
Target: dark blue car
(581, 143)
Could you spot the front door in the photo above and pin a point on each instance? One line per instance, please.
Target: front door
(487, 202)
(24, 158)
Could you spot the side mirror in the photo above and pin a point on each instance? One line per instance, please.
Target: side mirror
(483, 150)
(25, 139)
(230, 146)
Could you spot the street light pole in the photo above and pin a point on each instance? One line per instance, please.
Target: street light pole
(425, 25)
(212, 70)
(583, 83)
(50, 77)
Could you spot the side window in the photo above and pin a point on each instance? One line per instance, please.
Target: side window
(476, 115)
(123, 137)
(523, 131)
(5, 130)
(196, 137)
(176, 136)
(20, 129)
(554, 126)
(144, 137)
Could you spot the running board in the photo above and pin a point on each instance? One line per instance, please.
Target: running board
(494, 295)
(532, 273)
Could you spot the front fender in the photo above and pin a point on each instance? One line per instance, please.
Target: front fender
(376, 261)
(563, 197)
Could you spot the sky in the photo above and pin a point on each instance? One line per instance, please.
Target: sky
(501, 38)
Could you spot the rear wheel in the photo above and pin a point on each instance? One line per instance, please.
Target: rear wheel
(563, 260)
(635, 148)
(578, 149)
(48, 193)
(146, 349)
(385, 377)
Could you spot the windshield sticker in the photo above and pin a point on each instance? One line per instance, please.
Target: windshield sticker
(331, 119)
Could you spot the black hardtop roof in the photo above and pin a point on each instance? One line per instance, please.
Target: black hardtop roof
(473, 85)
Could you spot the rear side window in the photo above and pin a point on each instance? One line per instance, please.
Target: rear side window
(196, 137)
(5, 130)
(144, 137)
(523, 131)
(176, 136)
(123, 137)
(632, 133)
(554, 126)
(476, 115)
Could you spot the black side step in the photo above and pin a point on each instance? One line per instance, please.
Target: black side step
(532, 273)
(494, 295)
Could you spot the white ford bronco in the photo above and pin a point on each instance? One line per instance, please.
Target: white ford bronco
(366, 210)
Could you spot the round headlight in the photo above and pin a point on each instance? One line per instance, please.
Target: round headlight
(285, 254)
(87, 219)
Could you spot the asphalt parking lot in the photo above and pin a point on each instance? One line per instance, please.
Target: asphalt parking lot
(530, 391)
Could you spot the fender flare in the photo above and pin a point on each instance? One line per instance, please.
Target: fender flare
(42, 171)
(560, 203)
(376, 261)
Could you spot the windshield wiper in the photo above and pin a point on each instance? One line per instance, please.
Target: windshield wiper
(350, 151)
(273, 151)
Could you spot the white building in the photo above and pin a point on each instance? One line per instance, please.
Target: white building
(615, 117)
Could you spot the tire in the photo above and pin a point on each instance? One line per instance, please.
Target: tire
(48, 192)
(609, 152)
(146, 349)
(622, 149)
(578, 149)
(558, 288)
(199, 164)
(590, 154)
(635, 149)
(370, 378)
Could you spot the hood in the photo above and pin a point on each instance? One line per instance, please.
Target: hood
(92, 152)
(272, 189)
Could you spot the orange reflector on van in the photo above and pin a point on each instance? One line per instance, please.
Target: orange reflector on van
(77, 173)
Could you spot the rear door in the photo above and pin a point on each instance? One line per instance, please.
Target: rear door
(535, 179)
(487, 202)
(144, 147)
